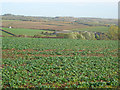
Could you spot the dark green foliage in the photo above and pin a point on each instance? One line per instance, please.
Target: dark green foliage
(97, 37)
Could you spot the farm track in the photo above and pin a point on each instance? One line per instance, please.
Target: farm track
(7, 32)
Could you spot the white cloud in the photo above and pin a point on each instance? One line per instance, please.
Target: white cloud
(2, 1)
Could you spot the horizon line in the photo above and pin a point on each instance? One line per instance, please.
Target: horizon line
(60, 16)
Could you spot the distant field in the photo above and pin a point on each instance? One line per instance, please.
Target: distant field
(54, 25)
(17, 31)
(10, 20)
(32, 32)
(97, 29)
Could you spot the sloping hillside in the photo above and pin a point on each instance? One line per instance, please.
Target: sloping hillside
(54, 23)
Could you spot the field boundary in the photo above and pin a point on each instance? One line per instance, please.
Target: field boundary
(8, 32)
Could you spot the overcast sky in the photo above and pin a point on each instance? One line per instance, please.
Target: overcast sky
(52, 8)
(59, 0)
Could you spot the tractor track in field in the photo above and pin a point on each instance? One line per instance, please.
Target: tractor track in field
(9, 53)
(33, 50)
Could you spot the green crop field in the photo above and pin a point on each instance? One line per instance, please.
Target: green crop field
(66, 63)
(96, 29)
(19, 31)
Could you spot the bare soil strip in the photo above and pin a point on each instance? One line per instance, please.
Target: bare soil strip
(9, 54)
(30, 50)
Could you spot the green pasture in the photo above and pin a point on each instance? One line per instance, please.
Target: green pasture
(19, 31)
(96, 29)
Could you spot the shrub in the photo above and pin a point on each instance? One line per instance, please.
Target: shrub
(89, 35)
(80, 36)
(37, 36)
(113, 32)
(67, 35)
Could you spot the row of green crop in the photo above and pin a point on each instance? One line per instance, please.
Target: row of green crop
(58, 44)
(71, 72)
(54, 71)
(105, 53)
